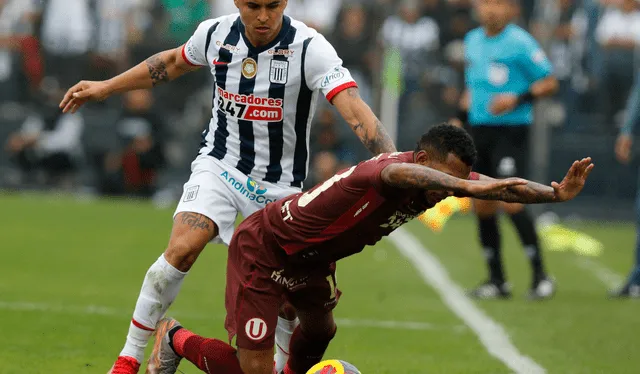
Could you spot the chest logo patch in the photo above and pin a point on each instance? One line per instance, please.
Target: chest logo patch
(498, 74)
(249, 68)
(279, 72)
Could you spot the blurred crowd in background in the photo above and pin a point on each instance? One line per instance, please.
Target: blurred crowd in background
(141, 143)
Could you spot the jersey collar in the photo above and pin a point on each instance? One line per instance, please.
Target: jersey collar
(286, 23)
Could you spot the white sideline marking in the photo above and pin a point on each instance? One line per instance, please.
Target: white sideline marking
(111, 312)
(607, 276)
(491, 334)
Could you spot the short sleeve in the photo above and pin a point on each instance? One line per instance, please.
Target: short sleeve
(194, 51)
(535, 61)
(324, 70)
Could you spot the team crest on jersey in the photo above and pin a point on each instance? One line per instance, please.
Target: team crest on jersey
(249, 68)
(279, 72)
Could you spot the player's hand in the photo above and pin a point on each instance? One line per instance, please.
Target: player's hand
(623, 148)
(479, 188)
(573, 182)
(82, 92)
(503, 103)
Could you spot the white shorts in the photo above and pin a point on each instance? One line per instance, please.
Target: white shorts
(220, 192)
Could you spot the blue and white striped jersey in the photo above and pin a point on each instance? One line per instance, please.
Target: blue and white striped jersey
(265, 98)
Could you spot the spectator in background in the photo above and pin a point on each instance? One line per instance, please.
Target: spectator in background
(19, 53)
(184, 16)
(67, 34)
(48, 145)
(354, 42)
(114, 20)
(618, 34)
(133, 169)
(325, 166)
(326, 137)
(417, 39)
(318, 14)
(563, 53)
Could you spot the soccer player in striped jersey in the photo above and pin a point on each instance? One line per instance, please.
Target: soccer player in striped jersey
(268, 70)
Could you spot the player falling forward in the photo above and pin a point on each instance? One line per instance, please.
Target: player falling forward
(268, 71)
(288, 250)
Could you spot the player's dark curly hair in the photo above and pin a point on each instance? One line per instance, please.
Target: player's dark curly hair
(444, 138)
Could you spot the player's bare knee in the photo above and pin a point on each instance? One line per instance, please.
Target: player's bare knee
(190, 234)
(181, 256)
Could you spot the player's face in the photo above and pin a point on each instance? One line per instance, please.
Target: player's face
(495, 14)
(452, 166)
(262, 19)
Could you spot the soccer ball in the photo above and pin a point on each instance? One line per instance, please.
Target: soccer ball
(333, 367)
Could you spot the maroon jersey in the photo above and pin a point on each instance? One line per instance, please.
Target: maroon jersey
(341, 216)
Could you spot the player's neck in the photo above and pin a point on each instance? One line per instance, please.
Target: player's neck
(494, 32)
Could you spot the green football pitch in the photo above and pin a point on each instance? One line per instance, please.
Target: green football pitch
(71, 270)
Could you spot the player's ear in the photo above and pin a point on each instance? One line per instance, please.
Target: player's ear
(421, 157)
(237, 3)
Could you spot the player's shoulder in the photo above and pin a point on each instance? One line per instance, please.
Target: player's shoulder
(474, 35)
(303, 31)
(392, 157)
(519, 36)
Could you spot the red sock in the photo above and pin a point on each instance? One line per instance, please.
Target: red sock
(212, 356)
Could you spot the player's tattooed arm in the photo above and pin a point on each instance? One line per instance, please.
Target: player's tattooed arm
(157, 69)
(406, 175)
(363, 122)
(530, 193)
(196, 221)
(535, 193)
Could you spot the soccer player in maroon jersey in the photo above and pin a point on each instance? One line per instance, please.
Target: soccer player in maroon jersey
(287, 252)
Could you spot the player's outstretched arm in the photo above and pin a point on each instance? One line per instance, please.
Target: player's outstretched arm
(159, 68)
(363, 122)
(406, 175)
(535, 193)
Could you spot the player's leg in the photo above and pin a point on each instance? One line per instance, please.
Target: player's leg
(208, 354)
(287, 320)
(310, 340)
(514, 159)
(314, 306)
(287, 323)
(190, 233)
(485, 138)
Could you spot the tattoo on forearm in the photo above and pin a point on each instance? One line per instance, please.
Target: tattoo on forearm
(376, 140)
(422, 177)
(531, 193)
(157, 69)
(196, 221)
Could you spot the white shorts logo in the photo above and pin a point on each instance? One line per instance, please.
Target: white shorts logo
(191, 193)
(279, 72)
(256, 329)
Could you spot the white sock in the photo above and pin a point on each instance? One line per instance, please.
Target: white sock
(159, 289)
(284, 330)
